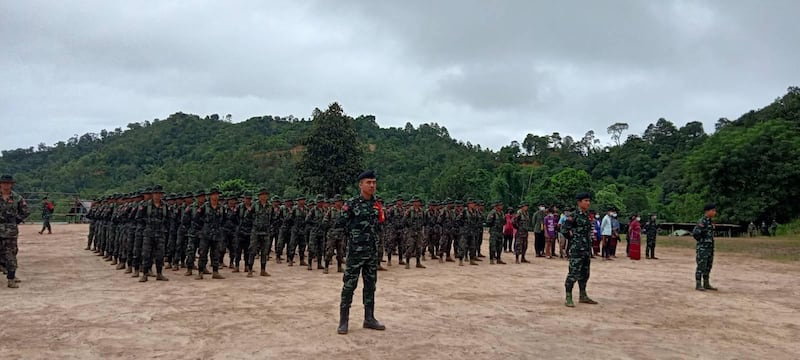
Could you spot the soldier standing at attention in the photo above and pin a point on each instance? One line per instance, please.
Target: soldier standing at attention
(275, 229)
(259, 238)
(360, 217)
(13, 210)
(394, 228)
(156, 217)
(210, 217)
(704, 234)
(316, 232)
(243, 233)
(495, 221)
(47, 210)
(93, 223)
(522, 222)
(297, 243)
(414, 220)
(651, 231)
(337, 237)
(580, 250)
(539, 240)
(285, 231)
(139, 232)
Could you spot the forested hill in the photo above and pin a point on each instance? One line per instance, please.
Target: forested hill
(750, 166)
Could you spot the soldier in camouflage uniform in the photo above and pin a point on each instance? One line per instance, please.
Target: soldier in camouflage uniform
(475, 237)
(285, 232)
(495, 221)
(336, 236)
(130, 229)
(193, 233)
(297, 243)
(155, 214)
(480, 215)
(243, 234)
(230, 224)
(46, 212)
(184, 221)
(522, 222)
(449, 231)
(579, 234)
(316, 233)
(360, 216)
(13, 210)
(139, 232)
(172, 232)
(651, 230)
(462, 218)
(433, 228)
(91, 215)
(123, 231)
(210, 216)
(413, 222)
(394, 229)
(263, 213)
(703, 233)
(275, 230)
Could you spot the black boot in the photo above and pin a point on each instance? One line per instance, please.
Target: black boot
(707, 284)
(369, 319)
(344, 317)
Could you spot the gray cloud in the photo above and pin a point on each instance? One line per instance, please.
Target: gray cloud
(488, 71)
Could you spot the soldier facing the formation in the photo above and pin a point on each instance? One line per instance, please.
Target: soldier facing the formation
(13, 210)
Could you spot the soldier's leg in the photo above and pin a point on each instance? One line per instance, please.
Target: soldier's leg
(191, 251)
(350, 280)
(302, 242)
(312, 247)
(90, 237)
(9, 259)
(573, 275)
(410, 245)
(137, 250)
(330, 243)
(369, 271)
(159, 248)
(263, 244)
(203, 251)
(584, 279)
(292, 246)
(216, 245)
(341, 249)
(420, 247)
(180, 251)
(390, 245)
(147, 255)
(251, 252)
(129, 248)
(523, 246)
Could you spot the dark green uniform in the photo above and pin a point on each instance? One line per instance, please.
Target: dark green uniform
(703, 233)
(495, 221)
(360, 217)
(156, 217)
(578, 232)
(13, 210)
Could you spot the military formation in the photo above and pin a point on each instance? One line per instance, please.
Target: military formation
(148, 231)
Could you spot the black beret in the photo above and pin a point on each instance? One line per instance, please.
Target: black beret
(709, 207)
(367, 174)
(583, 195)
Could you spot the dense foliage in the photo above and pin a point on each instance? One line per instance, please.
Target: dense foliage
(749, 166)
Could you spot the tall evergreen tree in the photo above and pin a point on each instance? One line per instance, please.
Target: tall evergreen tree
(333, 155)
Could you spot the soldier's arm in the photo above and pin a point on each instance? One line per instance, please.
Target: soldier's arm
(344, 217)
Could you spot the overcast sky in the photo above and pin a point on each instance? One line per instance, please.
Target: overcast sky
(490, 71)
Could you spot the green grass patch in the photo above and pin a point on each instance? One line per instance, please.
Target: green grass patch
(780, 248)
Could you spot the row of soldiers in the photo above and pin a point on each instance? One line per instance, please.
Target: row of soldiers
(138, 230)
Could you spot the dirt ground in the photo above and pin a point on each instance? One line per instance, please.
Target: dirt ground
(73, 305)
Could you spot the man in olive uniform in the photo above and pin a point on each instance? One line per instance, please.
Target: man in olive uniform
(184, 221)
(285, 237)
(336, 236)
(156, 217)
(651, 230)
(316, 232)
(275, 230)
(195, 227)
(463, 221)
(480, 216)
(139, 232)
(413, 221)
(522, 222)
(475, 226)
(130, 231)
(433, 229)
(210, 217)
(360, 216)
(495, 221)
(703, 232)
(243, 234)
(91, 215)
(13, 210)
(259, 238)
(46, 212)
(297, 243)
(394, 229)
(449, 231)
(579, 235)
(230, 223)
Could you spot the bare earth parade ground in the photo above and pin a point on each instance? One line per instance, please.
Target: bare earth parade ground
(73, 305)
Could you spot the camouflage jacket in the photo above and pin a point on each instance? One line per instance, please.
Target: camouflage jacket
(314, 218)
(495, 221)
(246, 218)
(414, 219)
(522, 221)
(262, 217)
(361, 218)
(329, 220)
(580, 229)
(13, 211)
(703, 232)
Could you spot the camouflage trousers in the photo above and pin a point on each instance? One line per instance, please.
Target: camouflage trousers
(521, 244)
(445, 243)
(650, 250)
(192, 243)
(495, 245)
(297, 243)
(153, 247)
(366, 265)
(122, 243)
(8, 254)
(284, 239)
(210, 245)
(578, 271)
(335, 242)
(111, 236)
(394, 243)
(91, 236)
(316, 241)
(467, 245)
(259, 244)
(434, 236)
(179, 256)
(229, 238)
(241, 248)
(138, 240)
(172, 240)
(413, 243)
(130, 236)
(478, 240)
(705, 260)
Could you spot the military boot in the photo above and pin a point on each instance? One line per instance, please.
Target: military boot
(264, 272)
(584, 299)
(339, 268)
(12, 284)
(460, 262)
(473, 261)
(136, 271)
(419, 264)
(249, 271)
(389, 262)
(500, 262)
(344, 318)
(199, 275)
(235, 268)
(441, 260)
(524, 260)
(161, 277)
(303, 262)
(216, 275)
(206, 272)
(449, 259)
(369, 319)
(699, 285)
(176, 267)
(491, 261)
(88, 248)
(114, 261)
(707, 285)
(408, 264)
(129, 269)
(121, 265)
(568, 302)
(188, 271)
(319, 264)
(144, 277)
(309, 267)
(325, 271)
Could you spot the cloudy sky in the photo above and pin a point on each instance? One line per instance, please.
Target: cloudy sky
(491, 71)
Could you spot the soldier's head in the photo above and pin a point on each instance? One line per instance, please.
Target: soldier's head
(201, 196)
(288, 203)
(498, 206)
(213, 195)
(248, 198)
(399, 201)
(301, 201)
(416, 202)
(276, 201)
(471, 204)
(524, 206)
(263, 195)
(187, 198)
(147, 193)
(584, 201)
(337, 201)
(367, 183)
(459, 205)
(710, 211)
(6, 183)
